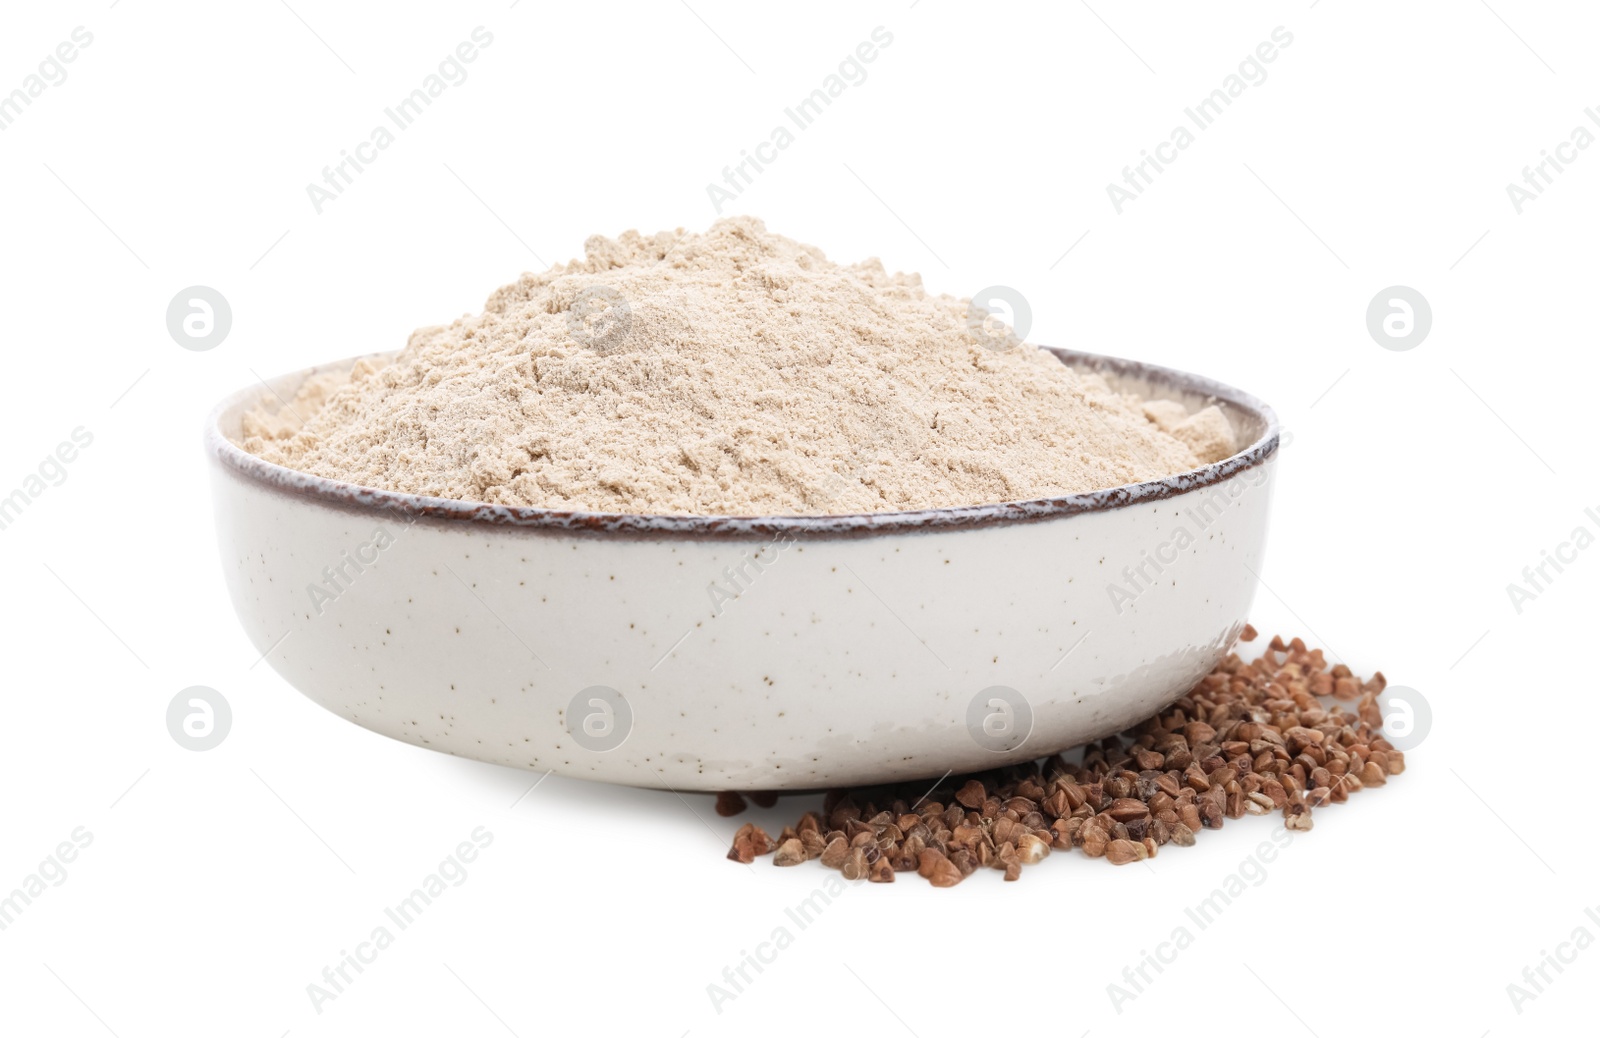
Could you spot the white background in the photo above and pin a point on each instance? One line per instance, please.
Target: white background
(1417, 486)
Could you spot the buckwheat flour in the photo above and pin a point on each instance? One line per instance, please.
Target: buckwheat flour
(734, 372)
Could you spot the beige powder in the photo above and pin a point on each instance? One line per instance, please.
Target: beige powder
(734, 372)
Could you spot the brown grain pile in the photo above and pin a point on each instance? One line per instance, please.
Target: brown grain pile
(1251, 738)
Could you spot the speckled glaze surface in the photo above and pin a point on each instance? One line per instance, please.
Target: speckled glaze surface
(712, 653)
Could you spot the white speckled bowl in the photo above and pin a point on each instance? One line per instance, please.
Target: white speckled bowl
(855, 649)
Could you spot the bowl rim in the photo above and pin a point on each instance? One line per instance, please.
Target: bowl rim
(411, 507)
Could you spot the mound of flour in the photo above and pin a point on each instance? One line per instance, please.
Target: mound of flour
(734, 372)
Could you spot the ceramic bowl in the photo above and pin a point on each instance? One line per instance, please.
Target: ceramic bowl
(764, 653)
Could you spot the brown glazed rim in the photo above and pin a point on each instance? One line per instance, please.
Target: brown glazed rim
(415, 506)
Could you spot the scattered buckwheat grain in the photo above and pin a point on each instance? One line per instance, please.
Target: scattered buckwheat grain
(1250, 738)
